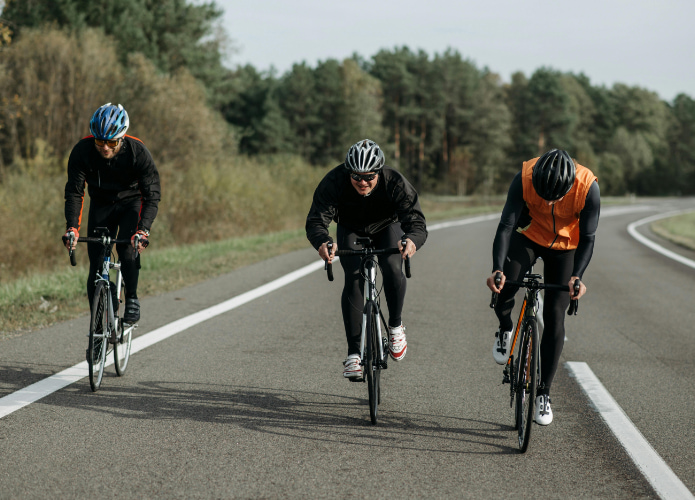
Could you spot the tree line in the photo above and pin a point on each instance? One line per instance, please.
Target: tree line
(450, 126)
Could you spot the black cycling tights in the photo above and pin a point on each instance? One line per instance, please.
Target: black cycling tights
(557, 269)
(352, 300)
(122, 220)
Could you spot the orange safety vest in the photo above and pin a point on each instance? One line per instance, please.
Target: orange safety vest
(555, 226)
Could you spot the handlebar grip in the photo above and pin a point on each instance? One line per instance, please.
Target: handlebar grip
(71, 252)
(329, 267)
(404, 243)
(493, 299)
(574, 304)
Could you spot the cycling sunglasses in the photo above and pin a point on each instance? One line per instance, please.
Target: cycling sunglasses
(367, 178)
(111, 144)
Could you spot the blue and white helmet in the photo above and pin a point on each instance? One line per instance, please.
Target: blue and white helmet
(109, 122)
(365, 156)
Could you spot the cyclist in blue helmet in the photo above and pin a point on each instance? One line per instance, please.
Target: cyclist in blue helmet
(124, 191)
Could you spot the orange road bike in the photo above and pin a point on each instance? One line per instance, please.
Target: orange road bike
(523, 370)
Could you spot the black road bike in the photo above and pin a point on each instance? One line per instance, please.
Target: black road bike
(523, 370)
(374, 340)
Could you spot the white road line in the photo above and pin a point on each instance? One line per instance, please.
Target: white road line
(462, 222)
(648, 461)
(34, 392)
(632, 230)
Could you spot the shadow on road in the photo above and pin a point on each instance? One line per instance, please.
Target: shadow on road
(300, 414)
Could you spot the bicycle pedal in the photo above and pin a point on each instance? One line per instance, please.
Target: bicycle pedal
(356, 379)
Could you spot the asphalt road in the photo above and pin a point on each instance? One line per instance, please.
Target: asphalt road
(252, 403)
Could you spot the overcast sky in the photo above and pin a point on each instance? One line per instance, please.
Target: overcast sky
(647, 43)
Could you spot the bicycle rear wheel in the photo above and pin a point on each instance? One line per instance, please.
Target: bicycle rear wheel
(526, 381)
(121, 349)
(98, 342)
(372, 362)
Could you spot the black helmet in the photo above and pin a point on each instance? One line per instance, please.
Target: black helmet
(553, 175)
(364, 156)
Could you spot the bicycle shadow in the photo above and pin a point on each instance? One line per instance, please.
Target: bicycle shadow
(315, 416)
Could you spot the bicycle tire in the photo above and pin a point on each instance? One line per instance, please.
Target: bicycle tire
(527, 382)
(372, 363)
(98, 343)
(121, 349)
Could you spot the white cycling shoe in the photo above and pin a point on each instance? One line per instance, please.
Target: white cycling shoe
(351, 367)
(500, 349)
(543, 415)
(397, 343)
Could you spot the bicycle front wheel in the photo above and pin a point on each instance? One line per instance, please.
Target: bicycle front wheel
(98, 331)
(121, 349)
(372, 366)
(526, 381)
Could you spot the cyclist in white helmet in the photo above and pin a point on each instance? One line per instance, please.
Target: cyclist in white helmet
(367, 198)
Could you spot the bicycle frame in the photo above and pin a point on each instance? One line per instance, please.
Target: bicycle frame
(104, 276)
(369, 265)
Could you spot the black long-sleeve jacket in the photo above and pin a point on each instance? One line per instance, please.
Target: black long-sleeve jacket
(131, 173)
(393, 199)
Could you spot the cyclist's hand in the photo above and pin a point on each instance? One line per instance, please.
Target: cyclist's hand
(66, 238)
(582, 288)
(142, 240)
(325, 254)
(409, 250)
(491, 282)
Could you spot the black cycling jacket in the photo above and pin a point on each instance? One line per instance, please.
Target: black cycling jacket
(130, 174)
(515, 214)
(393, 199)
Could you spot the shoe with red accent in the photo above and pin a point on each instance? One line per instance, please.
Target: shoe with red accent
(352, 368)
(397, 343)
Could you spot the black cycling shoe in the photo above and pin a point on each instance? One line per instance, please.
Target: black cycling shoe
(132, 311)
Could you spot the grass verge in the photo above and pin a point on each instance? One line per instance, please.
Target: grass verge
(679, 229)
(42, 299)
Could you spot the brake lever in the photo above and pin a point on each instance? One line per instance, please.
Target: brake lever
(498, 280)
(327, 266)
(404, 243)
(574, 304)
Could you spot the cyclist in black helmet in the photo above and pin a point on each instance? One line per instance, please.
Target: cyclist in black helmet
(552, 212)
(124, 192)
(366, 198)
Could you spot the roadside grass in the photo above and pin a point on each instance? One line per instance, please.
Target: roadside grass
(42, 299)
(679, 229)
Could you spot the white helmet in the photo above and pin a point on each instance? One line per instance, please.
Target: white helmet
(365, 156)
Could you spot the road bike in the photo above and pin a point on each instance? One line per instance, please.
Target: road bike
(373, 340)
(523, 371)
(107, 330)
